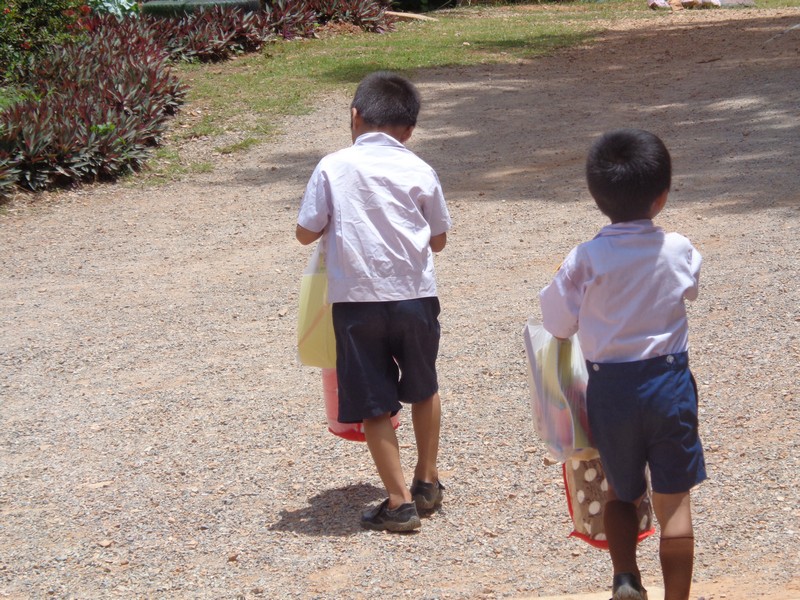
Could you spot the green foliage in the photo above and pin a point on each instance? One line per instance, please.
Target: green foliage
(30, 27)
(93, 109)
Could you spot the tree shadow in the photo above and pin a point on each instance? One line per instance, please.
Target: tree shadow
(333, 512)
(724, 96)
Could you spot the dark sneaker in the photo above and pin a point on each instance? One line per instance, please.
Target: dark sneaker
(628, 586)
(402, 518)
(427, 496)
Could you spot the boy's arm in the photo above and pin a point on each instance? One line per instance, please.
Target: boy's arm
(306, 236)
(438, 242)
(560, 302)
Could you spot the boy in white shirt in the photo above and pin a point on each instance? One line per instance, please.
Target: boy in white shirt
(381, 214)
(624, 294)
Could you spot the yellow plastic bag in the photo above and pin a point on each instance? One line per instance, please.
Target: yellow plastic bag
(316, 343)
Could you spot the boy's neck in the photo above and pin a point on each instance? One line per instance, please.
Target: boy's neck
(359, 127)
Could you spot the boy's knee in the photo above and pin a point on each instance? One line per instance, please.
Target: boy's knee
(674, 514)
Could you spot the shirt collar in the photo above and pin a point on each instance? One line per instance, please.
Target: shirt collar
(377, 138)
(628, 227)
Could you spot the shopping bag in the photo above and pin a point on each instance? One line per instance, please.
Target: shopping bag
(316, 343)
(557, 378)
(587, 490)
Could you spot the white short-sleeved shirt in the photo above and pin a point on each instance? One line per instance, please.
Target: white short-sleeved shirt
(380, 204)
(624, 293)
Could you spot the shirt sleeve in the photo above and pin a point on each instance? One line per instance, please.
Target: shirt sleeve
(314, 208)
(695, 261)
(435, 210)
(561, 300)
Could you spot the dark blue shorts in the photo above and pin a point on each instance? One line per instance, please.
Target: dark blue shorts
(644, 413)
(385, 354)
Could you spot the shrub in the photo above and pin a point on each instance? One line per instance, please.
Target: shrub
(33, 26)
(93, 109)
(210, 35)
(290, 19)
(178, 8)
(8, 175)
(367, 14)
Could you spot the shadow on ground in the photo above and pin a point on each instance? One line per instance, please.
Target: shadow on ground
(333, 512)
(724, 95)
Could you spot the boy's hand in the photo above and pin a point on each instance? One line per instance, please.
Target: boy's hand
(306, 236)
(438, 242)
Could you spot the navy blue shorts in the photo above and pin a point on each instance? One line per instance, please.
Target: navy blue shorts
(385, 354)
(644, 413)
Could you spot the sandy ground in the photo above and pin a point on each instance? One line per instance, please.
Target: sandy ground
(160, 440)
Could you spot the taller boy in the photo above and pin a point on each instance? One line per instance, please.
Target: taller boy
(624, 294)
(381, 214)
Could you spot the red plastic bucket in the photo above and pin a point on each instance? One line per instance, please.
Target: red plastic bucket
(330, 392)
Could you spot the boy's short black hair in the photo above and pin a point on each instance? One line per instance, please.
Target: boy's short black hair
(627, 170)
(387, 99)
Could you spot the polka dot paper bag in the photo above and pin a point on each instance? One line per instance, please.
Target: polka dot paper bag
(587, 488)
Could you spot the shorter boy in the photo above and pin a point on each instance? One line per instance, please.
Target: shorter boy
(381, 214)
(624, 294)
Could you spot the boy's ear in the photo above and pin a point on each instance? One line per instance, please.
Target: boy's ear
(405, 133)
(659, 203)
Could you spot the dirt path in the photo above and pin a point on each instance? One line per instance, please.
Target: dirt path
(160, 440)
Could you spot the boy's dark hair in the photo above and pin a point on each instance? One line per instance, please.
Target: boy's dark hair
(386, 99)
(627, 170)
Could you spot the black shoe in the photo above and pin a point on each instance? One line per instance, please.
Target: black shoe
(628, 586)
(402, 518)
(427, 496)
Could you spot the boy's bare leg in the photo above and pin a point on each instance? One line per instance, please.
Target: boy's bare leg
(385, 451)
(427, 417)
(676, 550)
(621, 524)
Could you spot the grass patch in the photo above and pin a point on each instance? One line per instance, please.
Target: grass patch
(241, 146)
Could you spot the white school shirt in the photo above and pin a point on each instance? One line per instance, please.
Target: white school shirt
(623, 293)
(381, 204)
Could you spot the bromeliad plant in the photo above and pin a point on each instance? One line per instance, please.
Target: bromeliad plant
(92, 107)
(92, 110)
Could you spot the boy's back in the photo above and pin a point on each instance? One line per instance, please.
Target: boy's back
(382, 202)
(630, 283)
(626, 290)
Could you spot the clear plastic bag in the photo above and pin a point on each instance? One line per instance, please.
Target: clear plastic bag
(557, 376)
(316, 343)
